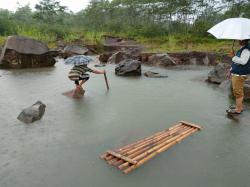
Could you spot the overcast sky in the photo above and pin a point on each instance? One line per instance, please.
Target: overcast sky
(74, 5)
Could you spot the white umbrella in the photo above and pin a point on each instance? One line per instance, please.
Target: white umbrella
(232, 28)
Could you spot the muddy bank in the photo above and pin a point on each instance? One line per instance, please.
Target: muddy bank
(167, 59)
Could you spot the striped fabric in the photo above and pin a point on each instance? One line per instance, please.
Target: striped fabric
(78, 71)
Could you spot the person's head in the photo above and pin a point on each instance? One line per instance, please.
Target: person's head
(243, 42)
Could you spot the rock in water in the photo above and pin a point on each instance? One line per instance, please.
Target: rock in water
(118, 57)
(128, 67)
(23, 52)
(152, 74)
(161, 60)
(103, 58)
(75, 94)
(219, 73)
(32, 113)
(72, 50)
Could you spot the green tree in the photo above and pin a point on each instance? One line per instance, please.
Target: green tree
(49, 11)
(7, 25)
(24, 14)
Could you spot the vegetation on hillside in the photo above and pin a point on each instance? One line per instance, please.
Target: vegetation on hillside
(163, 25)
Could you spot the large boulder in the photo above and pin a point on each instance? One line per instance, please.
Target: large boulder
(163, 60)
(219, 73)
(23, 52)
(72, 50)
(119, 56)
(128, 67)
(32, 113)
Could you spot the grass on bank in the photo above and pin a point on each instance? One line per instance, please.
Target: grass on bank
(172, 43)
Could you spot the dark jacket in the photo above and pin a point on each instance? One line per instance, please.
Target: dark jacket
(238, 68)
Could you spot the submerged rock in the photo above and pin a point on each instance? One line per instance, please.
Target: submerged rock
(128, 67)
(75, 94)
(152, 74)
(23, 52)
(32, 113)
(219, 73)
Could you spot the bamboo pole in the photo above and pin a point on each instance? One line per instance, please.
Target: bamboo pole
(109, 157)
(152, 141)
(141, 156)
(142, 140)
(126, 171)
(133, 153)
(138, 143)
(149, 143)
(117, 155)
(190, 124)
(145, 148)
(162, 144)
(106, 80)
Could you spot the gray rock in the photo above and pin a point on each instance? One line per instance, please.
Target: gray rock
(219, 73)
(161, 60)
(118, 57)
(32, 113)
(23, 52)
(71, 50)
(25, 45)
(152, 74)
(128, 67)
(103, 58)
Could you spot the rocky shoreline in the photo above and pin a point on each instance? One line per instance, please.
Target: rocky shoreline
(22, 52)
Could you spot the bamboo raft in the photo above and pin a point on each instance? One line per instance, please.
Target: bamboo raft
(134, 155)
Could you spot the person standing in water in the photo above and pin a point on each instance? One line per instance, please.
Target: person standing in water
(79, 74)
(240, 69)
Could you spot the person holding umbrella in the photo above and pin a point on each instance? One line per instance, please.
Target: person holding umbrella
(79, 72)
(240, 69)
(236, 29)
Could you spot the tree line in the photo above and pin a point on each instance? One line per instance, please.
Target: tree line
(144, 18)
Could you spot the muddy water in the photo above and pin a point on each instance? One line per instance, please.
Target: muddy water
(63, 148)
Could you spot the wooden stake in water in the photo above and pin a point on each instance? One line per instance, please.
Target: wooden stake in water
(106, 80)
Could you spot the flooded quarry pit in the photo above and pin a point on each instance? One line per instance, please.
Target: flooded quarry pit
(63, 148)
